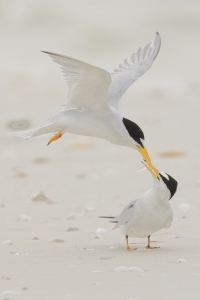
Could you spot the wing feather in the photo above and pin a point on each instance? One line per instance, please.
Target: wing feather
(87, 85)
(128, 214)
(132, 68)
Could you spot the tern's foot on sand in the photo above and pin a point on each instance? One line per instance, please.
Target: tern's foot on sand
(149, 247)
(131, 249)
(55, 137)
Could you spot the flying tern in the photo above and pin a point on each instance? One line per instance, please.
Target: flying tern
(91, 107)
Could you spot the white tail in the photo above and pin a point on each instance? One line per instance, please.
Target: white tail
(36, 132)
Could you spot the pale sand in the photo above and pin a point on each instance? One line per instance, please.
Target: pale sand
(80, 173)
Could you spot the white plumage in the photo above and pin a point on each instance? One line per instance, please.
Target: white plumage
(131, 69)
(93, 95)
(151, 211)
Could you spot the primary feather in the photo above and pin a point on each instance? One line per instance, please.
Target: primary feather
(87, 85)
(130, 69)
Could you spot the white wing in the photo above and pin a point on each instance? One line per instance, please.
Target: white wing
(87, 85)
(132, 68)
(128, 214)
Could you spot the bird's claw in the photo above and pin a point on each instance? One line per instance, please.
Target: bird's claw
(131, 249)
(149, 247)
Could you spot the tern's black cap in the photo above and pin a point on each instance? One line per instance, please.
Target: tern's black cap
(134, 131)
(171, 184)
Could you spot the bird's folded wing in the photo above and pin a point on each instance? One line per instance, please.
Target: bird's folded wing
(87, 85)
(128, 214)
(132, 68)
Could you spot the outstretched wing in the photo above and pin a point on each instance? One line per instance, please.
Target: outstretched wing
(132, 68)
(87, 85)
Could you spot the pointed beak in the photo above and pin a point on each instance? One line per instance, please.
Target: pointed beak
(145, 154)
(152, 170)
(147, 162)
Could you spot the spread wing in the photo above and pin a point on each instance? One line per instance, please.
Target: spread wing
(87, 85)
(132, 68)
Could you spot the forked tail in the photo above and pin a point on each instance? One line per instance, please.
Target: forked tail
(112, 221)
(36, 132)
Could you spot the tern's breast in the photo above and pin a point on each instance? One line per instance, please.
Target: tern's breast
(150, 221)
(106, 125)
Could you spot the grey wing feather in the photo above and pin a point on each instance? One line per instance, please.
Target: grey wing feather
(125, 217)
(130, 69)
(127, 214)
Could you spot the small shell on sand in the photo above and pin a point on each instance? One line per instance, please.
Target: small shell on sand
(100, 230)
(19, 253)
(90, 209)
(88, 249)
(20, 174)
(24, 218)
(182, 260)
(39, 196)
(98, 237)
(80, 144)
(96, 271)
(8, 242)
(19, 124)
(73, 216)
(80, 176)
(70, 229)
(10, 293)
(129, 269)
(41, 160)
(57, 240)
(35, 238)
(171, 153)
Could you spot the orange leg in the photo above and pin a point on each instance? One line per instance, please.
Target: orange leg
(55, 137)
(127, 245)
(149, 245)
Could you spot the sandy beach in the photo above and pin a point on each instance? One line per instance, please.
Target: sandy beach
(52, 243)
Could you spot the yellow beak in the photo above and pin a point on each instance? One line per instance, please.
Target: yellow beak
(147, 162)
(152, 170)
(145, 154)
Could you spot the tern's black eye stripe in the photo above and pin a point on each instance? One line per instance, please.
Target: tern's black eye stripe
(134, 131)
(171, 184)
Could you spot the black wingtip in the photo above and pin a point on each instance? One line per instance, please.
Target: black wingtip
(44, 51)
(106, 217)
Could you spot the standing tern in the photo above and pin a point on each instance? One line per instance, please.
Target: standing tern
(91, 107)
(151, 212)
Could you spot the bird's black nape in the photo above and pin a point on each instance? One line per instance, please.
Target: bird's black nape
(134, 131)
(171, 184)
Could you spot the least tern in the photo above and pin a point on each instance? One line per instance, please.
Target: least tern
(149, 213)
(91, 107)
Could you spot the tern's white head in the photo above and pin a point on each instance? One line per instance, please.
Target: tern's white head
(164, 184)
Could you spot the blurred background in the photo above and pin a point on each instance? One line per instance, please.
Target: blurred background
(164, 102)
(87, 177)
